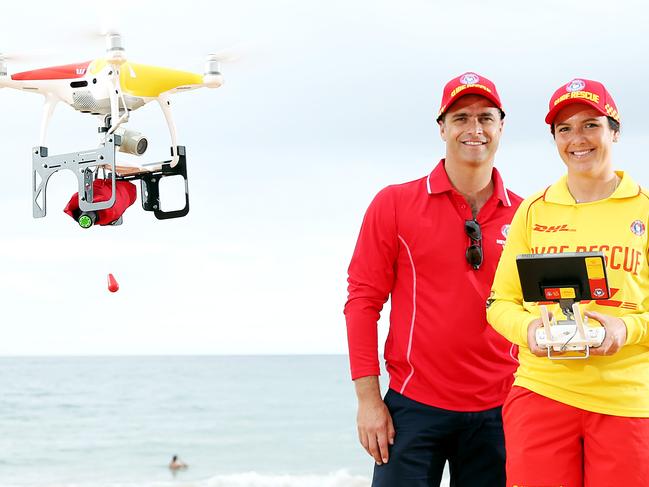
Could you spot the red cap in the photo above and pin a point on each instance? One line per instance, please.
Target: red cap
(468, 84)
(585, 91)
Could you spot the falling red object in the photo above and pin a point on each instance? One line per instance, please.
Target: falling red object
(112, 283)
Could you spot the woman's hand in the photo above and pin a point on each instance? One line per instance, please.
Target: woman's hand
(531, 337)
(615, 337)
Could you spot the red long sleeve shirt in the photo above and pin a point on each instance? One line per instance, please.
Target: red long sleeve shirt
(440, 349)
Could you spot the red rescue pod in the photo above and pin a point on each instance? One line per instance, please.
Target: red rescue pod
(125, 195)
(113, 285)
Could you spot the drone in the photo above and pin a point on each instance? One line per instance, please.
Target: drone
(109, 88)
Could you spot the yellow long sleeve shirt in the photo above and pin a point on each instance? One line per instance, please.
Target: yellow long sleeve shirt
(552, 222)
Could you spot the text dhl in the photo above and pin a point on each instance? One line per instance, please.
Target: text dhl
(464, 87)
(552, 228)
(578, 94)
(617, 257)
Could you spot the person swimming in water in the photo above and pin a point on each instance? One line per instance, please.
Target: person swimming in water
(177, 464)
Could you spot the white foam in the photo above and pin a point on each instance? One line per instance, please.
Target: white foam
(253, 479)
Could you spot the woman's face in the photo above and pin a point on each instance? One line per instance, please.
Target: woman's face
(584, 140)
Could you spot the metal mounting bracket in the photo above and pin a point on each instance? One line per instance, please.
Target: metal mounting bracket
(83, 164)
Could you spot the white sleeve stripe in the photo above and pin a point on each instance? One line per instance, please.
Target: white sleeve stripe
(414, 312)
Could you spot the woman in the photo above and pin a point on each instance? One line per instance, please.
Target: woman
(580, 422)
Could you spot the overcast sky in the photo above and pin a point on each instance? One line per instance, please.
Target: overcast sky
(330, 102)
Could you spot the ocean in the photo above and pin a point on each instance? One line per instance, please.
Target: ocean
(237, 421)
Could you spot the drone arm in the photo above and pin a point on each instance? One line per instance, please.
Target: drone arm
(163, 101)
(114, 103)
(115, 95)
(48, 111)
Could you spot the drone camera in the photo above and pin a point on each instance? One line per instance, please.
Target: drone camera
(132, 142)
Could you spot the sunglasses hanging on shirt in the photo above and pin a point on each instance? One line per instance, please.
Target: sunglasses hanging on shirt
(474, 251)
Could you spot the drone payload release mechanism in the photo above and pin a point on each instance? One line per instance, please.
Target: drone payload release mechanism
(108, 88)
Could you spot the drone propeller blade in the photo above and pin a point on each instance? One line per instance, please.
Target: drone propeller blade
(111, 36)
(225, 56)
(232, 54)
(23, 57)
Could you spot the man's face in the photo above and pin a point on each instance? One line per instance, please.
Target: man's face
(471, 129)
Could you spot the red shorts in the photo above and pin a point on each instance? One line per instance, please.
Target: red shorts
(551, 444)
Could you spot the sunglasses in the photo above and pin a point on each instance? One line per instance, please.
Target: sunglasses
(474, 251)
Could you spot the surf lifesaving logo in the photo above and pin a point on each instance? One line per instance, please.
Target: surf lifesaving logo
(575, 85)
(505, 231)
(598, 292)
(638, 228)
(469, 79)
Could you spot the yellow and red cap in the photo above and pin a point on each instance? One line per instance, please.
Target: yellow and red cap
(468, 83)
(586, 91)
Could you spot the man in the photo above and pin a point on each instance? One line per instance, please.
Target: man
(432, 246)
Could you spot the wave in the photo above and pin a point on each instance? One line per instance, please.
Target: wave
(252, 479)
(340, 478)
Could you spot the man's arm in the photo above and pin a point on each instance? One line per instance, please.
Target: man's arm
(375, 429)
(371, 277)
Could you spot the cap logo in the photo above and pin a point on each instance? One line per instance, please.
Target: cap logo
(469, 79)
(638, 228)
(575, 85)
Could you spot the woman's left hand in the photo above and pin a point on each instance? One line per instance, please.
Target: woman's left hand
(615, 333)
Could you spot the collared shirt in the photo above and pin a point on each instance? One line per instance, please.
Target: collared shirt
(440, 349)
(553, 222)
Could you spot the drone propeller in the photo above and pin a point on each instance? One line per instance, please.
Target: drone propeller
(115, 51)
(23, 57)
(19, 58)
(112, 38)
(228, 55)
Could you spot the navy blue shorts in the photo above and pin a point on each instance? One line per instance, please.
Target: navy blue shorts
(426, 437)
